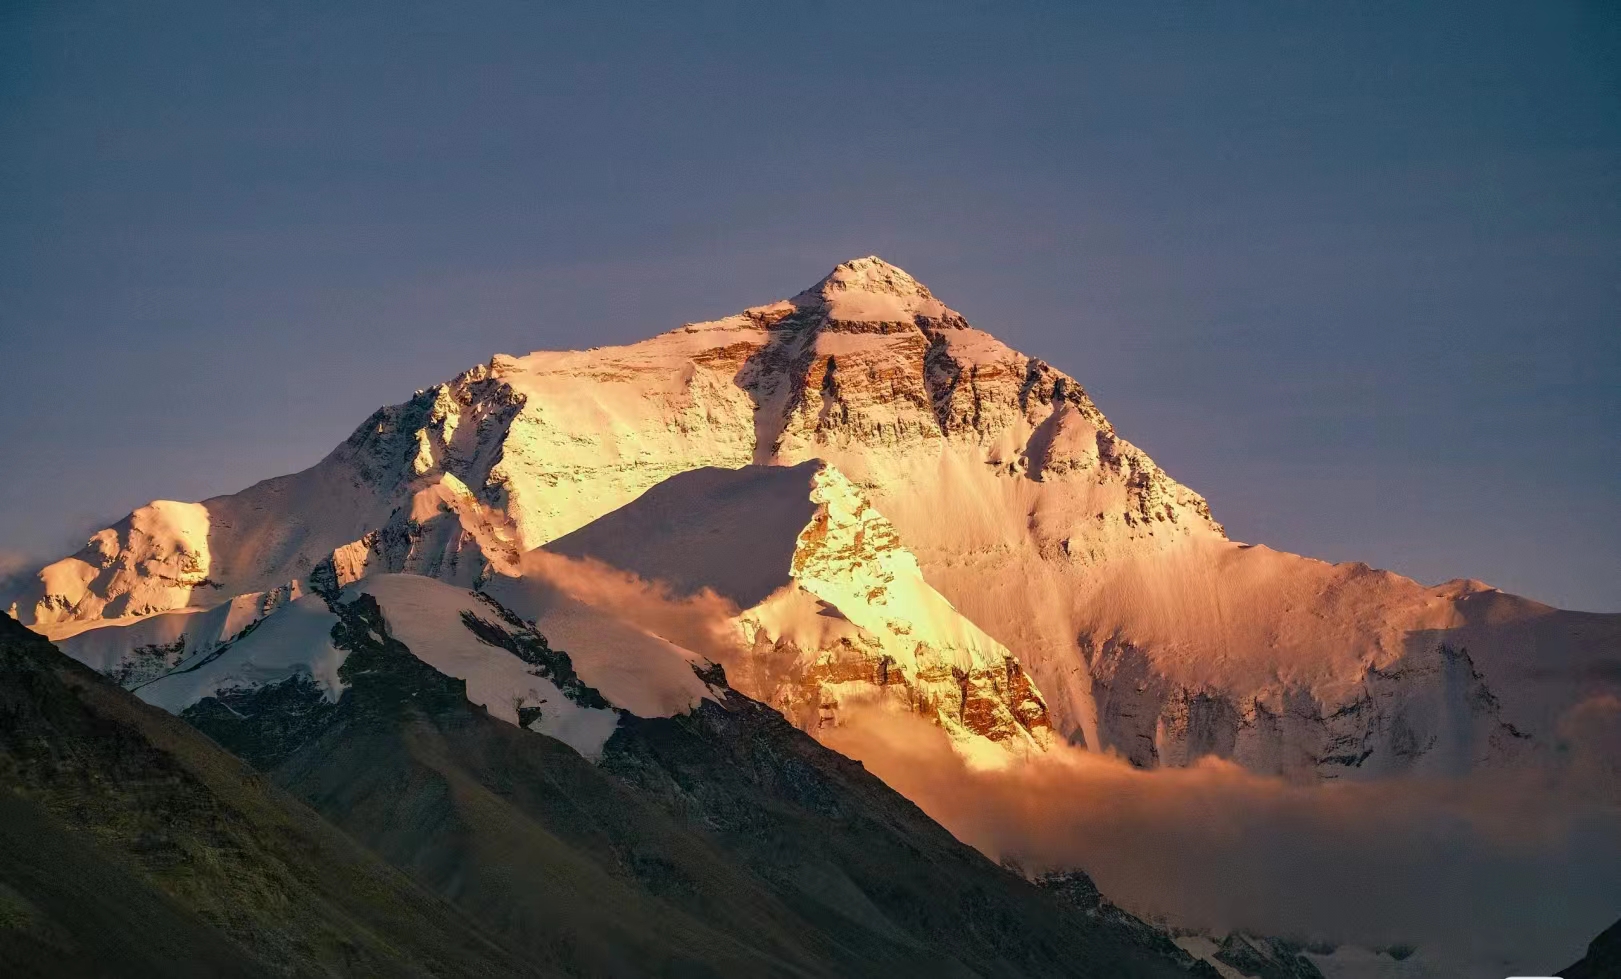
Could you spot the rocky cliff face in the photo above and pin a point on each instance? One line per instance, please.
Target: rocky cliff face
(833, 613)
(860, 626)
(1104, 590)
(1431, 713)
(869, 362)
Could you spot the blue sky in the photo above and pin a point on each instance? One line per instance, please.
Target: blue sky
(1352, 272)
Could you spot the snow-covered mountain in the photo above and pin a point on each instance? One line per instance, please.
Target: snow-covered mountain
(898, 509)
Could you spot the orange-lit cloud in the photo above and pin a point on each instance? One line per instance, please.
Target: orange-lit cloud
(1521, 865)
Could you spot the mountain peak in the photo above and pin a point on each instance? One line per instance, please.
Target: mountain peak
(872, 274)
(871, 289)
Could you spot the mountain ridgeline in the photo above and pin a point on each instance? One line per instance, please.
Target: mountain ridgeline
(972, 530)
(532, 671)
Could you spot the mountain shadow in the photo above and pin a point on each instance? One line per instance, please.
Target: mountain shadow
(733, 531)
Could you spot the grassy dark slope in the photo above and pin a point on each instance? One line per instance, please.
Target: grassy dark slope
(719, 843)
(131, 845)
(67, 910)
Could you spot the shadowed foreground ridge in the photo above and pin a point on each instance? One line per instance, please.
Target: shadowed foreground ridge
(133, 846)
(722, 842)
(719, 842)
(1603, 958)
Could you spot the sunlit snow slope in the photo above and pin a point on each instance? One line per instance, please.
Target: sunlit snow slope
(509, 669)
(1048, 537)
(835, 612)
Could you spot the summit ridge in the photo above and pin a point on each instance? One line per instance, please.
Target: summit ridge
(869, 274)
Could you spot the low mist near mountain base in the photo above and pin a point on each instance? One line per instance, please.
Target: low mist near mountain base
(1518, 871)
(1516, 868)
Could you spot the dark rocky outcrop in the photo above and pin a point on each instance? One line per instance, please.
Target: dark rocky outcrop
(1266, 958)
(1603, 958)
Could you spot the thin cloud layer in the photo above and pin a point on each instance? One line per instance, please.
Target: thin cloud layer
(702, 622)
(1517, 870)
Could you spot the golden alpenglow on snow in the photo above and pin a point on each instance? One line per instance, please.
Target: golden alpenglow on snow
(899, 511)
(854, 512)
(1212, 572)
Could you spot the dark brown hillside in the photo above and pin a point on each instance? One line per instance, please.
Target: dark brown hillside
(131, 845)
(722, 842)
